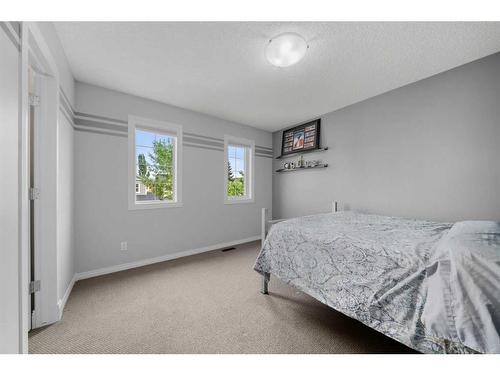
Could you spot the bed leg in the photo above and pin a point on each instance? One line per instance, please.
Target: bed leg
(335, 206)
(265, 282)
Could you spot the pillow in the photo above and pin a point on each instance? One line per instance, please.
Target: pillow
(467, 281)
(476, 238)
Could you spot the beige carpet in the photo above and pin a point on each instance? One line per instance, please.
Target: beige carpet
(207, 303)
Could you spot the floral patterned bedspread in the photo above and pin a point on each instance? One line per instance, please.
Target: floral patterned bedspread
(371, 268)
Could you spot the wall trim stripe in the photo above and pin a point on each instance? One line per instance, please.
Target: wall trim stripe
(16, 26)
(68, 117)
(263, 155)
(203, 142)
(264, 152)
(221, 149)
(99, 131)
(66, 100)
(11, 34)
(93, 122)
(66, 106)
(263, 149)
(187, 144)
(98, 119)
(98, 124)
(108, 119)
(220, 140)
(204, 137)
(109, 126)
(195, 145)
(104, 125)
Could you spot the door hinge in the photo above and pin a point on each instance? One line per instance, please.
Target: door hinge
(34, 100)
(34, 286)
(34, 194)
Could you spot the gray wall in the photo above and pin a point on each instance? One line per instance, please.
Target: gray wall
(102, 217)
(427, 150)
(9, 198)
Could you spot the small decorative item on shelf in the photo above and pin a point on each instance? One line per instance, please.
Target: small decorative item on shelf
(300, 162)
(309, 164)
(312, 163)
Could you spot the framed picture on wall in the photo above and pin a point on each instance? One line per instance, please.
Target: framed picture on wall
(300, 138)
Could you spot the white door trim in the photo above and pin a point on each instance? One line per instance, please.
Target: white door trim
(35, 49)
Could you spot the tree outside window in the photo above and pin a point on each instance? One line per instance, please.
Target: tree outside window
(155, 168)
(236, 166)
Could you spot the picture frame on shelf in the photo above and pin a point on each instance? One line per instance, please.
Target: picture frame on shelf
(301, 138)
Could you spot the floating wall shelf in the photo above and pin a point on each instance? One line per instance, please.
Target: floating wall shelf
(301, 168)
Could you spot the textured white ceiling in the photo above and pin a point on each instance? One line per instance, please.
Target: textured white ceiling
(220, 68)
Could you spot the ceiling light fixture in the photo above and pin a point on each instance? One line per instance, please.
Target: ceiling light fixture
(286, 49)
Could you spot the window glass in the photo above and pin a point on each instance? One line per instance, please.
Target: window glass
(237, 171)
(155, 172)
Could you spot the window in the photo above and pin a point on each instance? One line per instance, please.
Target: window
(238, 170)
(155, 154)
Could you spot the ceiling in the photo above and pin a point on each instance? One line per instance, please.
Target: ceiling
(219, 68)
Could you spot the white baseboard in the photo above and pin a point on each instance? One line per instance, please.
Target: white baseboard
(62, 302)
(163, 258)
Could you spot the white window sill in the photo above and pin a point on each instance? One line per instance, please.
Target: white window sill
(238, 200)
(154, 205)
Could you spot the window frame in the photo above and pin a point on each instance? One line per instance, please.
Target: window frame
(159, 127)
(249, 173)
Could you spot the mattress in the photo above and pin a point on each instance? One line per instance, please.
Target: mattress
(397, 276)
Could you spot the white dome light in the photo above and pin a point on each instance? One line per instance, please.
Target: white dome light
(286, 49)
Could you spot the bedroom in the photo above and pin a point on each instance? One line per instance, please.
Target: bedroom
(250, 187)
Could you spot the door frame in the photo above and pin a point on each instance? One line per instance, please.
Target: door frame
(35, 52)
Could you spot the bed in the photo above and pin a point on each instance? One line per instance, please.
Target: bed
(434, 287)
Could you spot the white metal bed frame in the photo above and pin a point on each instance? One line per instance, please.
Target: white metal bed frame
(266, 224)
